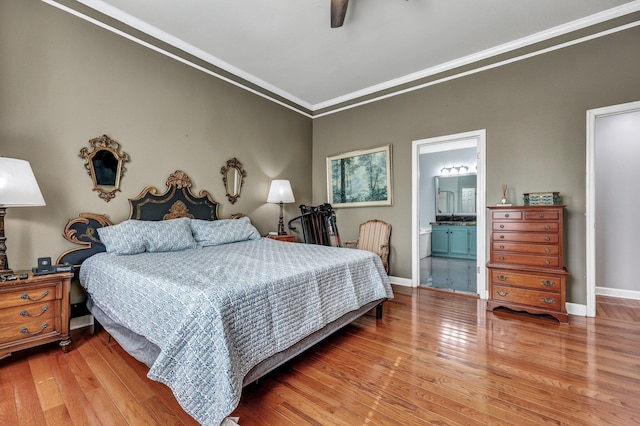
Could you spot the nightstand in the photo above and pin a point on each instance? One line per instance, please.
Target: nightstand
(34, 311)
(289, 238)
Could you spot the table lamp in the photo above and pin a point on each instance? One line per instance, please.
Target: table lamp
(280, 192)
(18, 188)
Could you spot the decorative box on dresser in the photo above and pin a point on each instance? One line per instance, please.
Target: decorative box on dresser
(526, 267)
(34, 311)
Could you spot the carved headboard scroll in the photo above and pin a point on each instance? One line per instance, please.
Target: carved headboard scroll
(176, 201)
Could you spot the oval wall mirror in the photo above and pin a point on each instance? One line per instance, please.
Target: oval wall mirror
(233, 177)
(104, 162)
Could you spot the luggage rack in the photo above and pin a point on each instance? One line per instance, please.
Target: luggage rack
(318, 225)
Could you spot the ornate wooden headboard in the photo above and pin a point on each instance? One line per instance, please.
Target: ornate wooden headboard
(177, 201)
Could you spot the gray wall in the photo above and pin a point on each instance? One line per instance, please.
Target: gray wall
(534, 113)
(64, 81)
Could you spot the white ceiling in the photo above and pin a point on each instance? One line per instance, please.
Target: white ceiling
(288, 47)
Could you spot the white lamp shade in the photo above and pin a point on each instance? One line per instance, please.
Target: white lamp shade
(18, 186)
(280, 192)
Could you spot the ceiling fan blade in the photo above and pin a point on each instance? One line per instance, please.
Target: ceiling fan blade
(338, 12)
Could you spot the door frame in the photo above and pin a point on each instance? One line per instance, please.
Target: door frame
(475, 138)
(592, 116)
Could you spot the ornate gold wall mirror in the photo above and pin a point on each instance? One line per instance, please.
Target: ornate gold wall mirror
(105, 164)
(233, 177)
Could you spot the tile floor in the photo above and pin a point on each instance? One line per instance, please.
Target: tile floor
(446, 273)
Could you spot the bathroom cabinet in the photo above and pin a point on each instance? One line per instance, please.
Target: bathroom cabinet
(453, 241)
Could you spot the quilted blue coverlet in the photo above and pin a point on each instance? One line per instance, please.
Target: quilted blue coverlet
(215, 312)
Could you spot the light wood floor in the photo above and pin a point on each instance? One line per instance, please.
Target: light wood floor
(434, 358)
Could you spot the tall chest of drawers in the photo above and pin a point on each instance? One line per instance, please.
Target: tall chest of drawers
(526, 263)
(34, 311)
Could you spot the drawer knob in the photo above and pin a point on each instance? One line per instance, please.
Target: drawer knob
(548, 283)
(501, 226)
(541, 215)
(547, 227)
(26, 313)
(546, 262)
(506, 215)
(547, 250)
(25, 330)
(502, 293)
(501, 236)
(547, 238)
(502, 277)
(26, 296)
(501, 257)
(549, 300)
(502, 247)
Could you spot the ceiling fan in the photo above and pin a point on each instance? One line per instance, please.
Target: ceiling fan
(338, 12)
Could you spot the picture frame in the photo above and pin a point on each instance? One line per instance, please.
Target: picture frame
(360, 178)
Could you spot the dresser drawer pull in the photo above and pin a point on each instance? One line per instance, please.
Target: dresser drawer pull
(506, 215)
(502, 247)
(549, 300)
(501, 236)
(541, 215)
(547, 250)
(502, 293)
(27, 297)
(25, 313)
(548, 283)
(25, 330)
(501, 257)
(501, 226)
(547, 227)
(502, 277)
(546, 262)
(547, 238)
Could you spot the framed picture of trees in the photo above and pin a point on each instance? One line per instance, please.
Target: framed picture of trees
(360, 178)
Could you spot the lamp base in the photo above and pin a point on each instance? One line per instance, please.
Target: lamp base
(4, 262)
(281, 221)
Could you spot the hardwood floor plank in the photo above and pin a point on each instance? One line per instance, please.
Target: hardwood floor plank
(25, 394)
(46, 386)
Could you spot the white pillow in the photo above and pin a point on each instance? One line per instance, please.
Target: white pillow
(216, 232)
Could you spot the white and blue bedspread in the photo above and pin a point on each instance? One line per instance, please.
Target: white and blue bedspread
(215, 312)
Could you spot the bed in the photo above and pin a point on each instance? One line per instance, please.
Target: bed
(208, 304)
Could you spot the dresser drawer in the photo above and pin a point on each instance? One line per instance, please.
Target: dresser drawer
(542, 215)
(526, 248)
(526, 260)
(26, 330)
(537, 282)
(523, 296)
(524, 226)
(506, 215)
(22, 297)
(19, 314)
(526, 237)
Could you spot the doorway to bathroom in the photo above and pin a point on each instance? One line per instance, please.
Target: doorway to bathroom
(449, 213)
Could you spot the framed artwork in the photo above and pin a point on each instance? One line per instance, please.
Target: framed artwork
(360, 178)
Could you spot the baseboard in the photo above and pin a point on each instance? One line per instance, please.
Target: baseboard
(617, 292)
(576, 309)
(406, 282)
(79, 322)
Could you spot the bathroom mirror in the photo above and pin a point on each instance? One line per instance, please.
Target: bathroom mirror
(456, 195)
(233, 177)
(104, 162)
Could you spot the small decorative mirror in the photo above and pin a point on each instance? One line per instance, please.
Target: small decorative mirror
(233, 177)
(105, 165)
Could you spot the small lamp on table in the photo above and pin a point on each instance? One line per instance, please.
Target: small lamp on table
(280, 192)
(18, 188)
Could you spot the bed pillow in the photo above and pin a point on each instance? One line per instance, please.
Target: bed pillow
(213, 233)
(122, 239)
(138, 236)
(166, 235)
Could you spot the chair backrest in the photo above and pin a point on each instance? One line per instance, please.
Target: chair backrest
(374, 236)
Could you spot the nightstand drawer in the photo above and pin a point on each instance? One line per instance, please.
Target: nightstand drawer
(538, 282)
(21, 297)
(523, 296)
(19, 314)
(26, 330)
